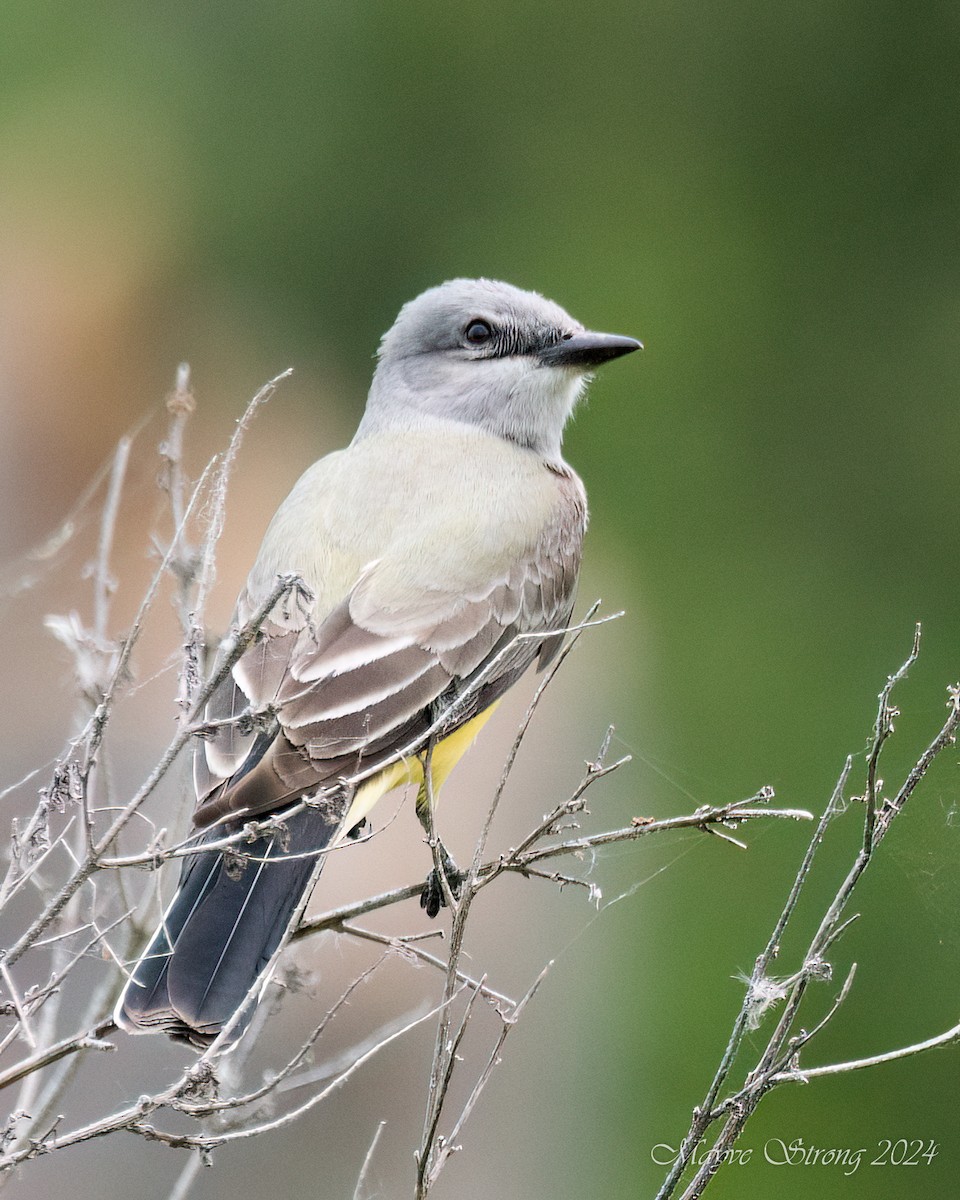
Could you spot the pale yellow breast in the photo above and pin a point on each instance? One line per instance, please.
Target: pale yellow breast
(448, 510)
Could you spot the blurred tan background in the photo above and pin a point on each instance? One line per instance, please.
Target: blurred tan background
(768, 197)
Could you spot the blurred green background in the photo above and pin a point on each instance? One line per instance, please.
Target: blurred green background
(767, 195)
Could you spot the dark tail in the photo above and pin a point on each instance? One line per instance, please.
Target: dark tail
(227, 919)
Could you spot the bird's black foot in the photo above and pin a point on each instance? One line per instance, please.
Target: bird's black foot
(358, 830)
(432, 898)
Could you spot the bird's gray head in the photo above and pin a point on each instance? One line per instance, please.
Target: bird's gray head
(484, 353)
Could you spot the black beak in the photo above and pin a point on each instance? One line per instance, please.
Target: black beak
(587, 350)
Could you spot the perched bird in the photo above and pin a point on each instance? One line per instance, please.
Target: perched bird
(441, 548)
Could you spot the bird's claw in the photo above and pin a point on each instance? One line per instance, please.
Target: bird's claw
(433, 898)
(358, 830)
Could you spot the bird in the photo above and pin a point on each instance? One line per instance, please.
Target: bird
(438, 555)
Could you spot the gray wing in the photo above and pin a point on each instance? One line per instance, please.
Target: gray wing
(371, 680)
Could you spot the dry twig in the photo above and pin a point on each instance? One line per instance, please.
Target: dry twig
(779, 1061)
(67, 860)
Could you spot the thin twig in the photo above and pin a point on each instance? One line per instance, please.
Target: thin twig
(358, 1191)
(778, 1060)
(949, 1037)
(882, 729)
(238, 644)
(406, 948)
(521, 861)
(69, 1045)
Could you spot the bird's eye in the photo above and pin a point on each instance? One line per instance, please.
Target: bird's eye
(478, 332)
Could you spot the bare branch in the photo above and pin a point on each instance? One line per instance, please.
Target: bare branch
(368, 1159)
(949, 1037)
(67, 864)
(779, 1059)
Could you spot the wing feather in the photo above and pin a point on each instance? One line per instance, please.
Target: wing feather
(367, 680)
